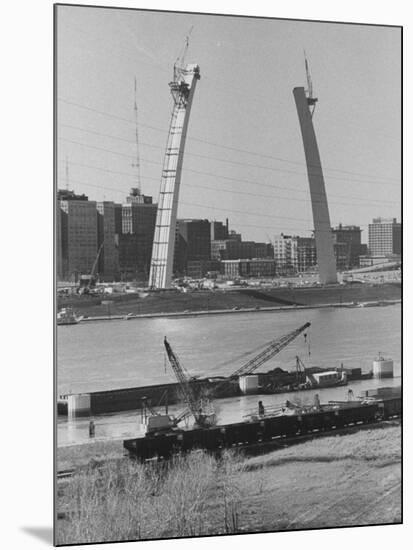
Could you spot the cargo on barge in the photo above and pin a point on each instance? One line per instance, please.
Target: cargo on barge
(267, 429)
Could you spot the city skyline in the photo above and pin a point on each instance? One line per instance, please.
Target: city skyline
(233, 227)
(264, 193)
(114, 241)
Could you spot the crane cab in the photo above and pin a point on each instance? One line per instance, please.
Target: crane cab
(159, 423)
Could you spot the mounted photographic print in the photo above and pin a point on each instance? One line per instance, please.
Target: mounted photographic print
(228, 256)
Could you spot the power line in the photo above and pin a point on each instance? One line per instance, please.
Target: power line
(243, 151)
(165, 69)
(241, 212)
(190, 204)
(105, 170)
(208, 157)
(99, 148)
(223, 190)
(238, 192)
(232, 211)
(238, 180)
(98, 186)
(109, 115)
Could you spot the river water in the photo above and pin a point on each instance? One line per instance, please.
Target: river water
(116, 354)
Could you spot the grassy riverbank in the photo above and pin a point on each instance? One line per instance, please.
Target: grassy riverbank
(334, 481)
(206, 300)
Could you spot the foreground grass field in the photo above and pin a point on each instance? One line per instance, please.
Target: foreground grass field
(334, 481)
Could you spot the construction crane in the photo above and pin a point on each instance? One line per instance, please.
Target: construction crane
(202, 417)
(87, 281)
(179, 65)
(272, 349)
(310, 99)
(308, 375)
(300, 369)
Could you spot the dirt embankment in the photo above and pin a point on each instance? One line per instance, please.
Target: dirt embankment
(206, 300)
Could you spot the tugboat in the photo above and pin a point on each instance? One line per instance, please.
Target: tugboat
(66, 316)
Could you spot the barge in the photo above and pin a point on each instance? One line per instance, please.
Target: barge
(377, 406)
(276, 381)
(245, 380)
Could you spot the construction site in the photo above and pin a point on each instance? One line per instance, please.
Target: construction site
(197, 393)
(165, 292)
(215, 447)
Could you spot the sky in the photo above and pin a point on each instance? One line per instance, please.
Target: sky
(244, 157)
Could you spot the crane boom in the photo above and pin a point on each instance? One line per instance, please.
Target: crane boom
(272, 349)
(179, 65)
(311, 100)
(309, 81)
(95, 263)
(183, 381)
(87, 281)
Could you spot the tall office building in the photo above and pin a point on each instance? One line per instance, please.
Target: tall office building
(138, 217)
(228, 249)
(58, 241)
(122, 232)
(79, 235)
(108, 265)
(219, 231)
(70, 195)
(385, 237)
(118, 218)
(192, 245)
(350, 235)
(138, 213)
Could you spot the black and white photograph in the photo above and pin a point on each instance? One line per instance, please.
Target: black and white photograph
(228, 249)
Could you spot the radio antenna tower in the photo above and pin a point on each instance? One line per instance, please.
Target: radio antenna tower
(136, 164)
(67, 174)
